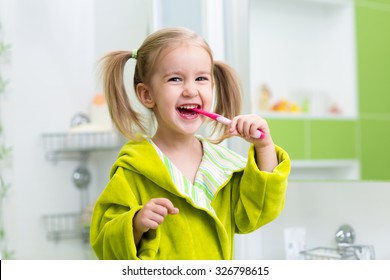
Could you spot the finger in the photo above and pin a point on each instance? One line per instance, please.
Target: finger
(143, 221)
(255, 132)
(159, 210)
(167, 204)
(250, 126)
(253, 123)
(152, 217)
(156, 218)
(247, 125)
(233, 129)
(174, 211)
(255, 127)
(243, 127)
(150, 223)
(237, 125)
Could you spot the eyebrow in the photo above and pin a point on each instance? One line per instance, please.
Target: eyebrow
(179, 72)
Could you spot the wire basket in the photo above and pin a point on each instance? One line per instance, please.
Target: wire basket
(62, 142)
(78, 145)
(325, 253)
(65, 226)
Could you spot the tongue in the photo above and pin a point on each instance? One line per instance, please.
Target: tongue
(186, 111)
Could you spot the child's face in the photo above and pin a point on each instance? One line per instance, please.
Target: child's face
(182, 79)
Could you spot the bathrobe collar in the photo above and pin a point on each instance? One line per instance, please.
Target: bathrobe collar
(216, 168)
(218, 162)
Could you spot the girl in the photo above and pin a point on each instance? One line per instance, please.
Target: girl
(176, 195)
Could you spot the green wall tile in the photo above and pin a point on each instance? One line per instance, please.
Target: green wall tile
(372, 2)
(373, 55)
(333, 139)
(373, 60)
(375, 156)
(289, 134)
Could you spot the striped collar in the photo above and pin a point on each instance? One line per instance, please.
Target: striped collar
(217, 166)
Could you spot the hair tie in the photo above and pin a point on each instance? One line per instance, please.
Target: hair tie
(134, 54)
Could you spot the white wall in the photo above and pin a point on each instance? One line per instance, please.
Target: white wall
(321, 208)
(293, 52)
(55, 46)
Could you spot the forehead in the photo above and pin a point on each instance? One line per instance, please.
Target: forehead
(180, 53)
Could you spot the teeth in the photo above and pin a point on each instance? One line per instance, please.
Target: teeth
(188, 107)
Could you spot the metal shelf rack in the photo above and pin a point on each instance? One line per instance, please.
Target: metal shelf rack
(69, 145)
(75, 146)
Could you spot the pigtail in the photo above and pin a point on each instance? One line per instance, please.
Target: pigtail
(125, 118)
(228, 95)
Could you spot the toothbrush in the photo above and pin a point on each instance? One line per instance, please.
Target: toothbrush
(225, 121)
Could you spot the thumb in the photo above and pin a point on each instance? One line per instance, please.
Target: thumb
(168, 205)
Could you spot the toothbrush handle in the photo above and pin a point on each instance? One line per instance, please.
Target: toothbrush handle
(258, 134)
(223, 120)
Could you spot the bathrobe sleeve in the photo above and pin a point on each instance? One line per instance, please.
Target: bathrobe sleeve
(261, 195)
(112, 222)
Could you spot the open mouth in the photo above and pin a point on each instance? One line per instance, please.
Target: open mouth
(187, 109)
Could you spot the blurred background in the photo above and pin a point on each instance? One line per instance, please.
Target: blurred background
(317, 70)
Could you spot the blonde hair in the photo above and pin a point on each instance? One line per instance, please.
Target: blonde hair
(129, 121)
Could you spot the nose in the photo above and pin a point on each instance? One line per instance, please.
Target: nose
(190, 90)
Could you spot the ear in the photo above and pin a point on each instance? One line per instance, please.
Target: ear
(144, 95)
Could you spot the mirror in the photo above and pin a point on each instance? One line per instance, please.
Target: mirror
(307, 71)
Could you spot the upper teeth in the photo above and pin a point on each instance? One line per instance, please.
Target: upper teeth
(188, 107)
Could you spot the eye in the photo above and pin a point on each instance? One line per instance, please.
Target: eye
(202, 78)
(174, 79)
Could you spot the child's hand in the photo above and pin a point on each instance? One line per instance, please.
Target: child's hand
(153, 214)
(247, 125)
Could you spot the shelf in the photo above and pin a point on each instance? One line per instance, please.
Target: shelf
(76, 146)
(63, 142)
(68, 144)
(65, 226)
(326, 253)
(302, 116)
(332, 169)
(304, 53)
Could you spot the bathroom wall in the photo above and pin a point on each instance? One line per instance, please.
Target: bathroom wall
(321, 208)
(373, 41)
(55, 46)
(51, 79)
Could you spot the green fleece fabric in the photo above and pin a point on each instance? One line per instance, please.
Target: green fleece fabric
(249, 199)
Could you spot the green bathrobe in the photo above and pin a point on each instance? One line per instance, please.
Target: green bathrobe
(246, 200)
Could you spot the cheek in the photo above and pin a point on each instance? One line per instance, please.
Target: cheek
(166, 106)
(208, 96)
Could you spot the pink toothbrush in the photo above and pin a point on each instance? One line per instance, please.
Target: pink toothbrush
(225, 121)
